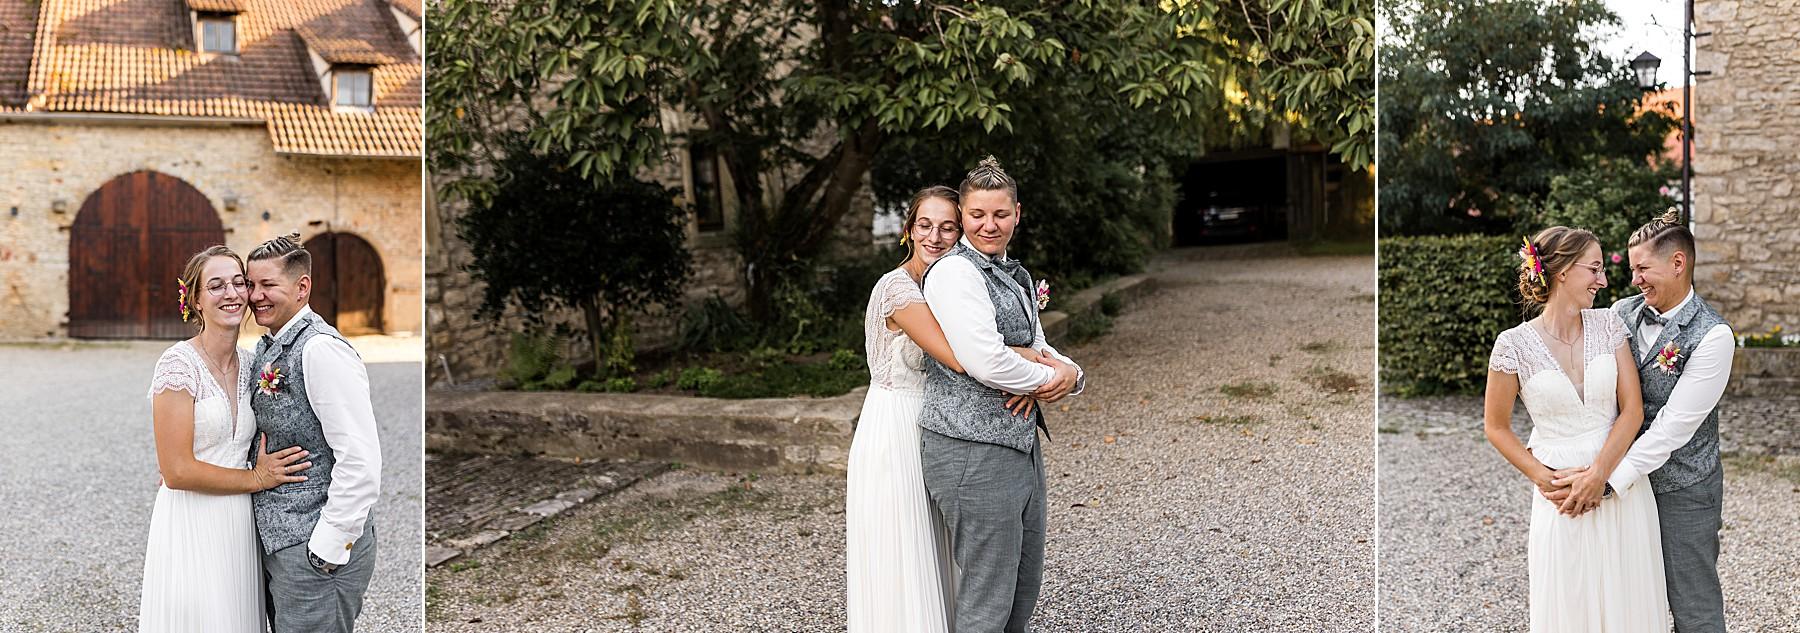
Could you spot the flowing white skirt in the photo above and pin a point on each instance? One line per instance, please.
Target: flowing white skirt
(897, 551)
(1601, 572)
(203, 565)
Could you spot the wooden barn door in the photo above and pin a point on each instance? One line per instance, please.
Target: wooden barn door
(126, 247)
(349, 285)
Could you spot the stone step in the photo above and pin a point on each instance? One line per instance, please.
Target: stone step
(472, 501)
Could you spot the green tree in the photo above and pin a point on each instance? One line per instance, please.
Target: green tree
(1484, 104)
(548, 237)
(801, 98)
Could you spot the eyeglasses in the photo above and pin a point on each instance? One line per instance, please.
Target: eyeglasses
(925, 228)
(217, 287)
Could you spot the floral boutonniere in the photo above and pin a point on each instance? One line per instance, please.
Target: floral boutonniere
(1667, 357)
(1043, 294)
(269, 381)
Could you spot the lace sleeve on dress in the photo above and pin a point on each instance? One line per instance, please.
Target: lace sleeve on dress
(898, 292)
(1505, 358)
(1614, 325)
(175, 371)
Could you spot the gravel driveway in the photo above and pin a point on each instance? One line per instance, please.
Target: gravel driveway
(78, 477)
(1454, 518)
(1174, 505)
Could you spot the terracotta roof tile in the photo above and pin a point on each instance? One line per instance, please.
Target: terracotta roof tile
(409, 7)
(137, 57)
(217, 6)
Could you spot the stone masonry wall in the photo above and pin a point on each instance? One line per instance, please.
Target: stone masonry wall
(1747, 161)
(474, 348)
(377, 200)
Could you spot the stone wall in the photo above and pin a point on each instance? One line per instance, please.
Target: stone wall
(472, 348)
(51, 163)
(1747, 161)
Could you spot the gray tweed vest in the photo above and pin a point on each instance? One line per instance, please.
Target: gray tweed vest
(1700, 456)
(961, 407)
(285, 514)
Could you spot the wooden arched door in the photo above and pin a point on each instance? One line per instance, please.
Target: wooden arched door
(349, 285)
(127, 246)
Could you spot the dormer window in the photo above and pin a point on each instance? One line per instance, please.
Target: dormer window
(218, 33)
(352, 87)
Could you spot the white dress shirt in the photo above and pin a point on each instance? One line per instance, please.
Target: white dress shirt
(1696, 393)
(337, 387)
(957, 295)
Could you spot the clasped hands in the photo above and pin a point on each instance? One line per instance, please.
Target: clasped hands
(1060, 385)
(1575, 491)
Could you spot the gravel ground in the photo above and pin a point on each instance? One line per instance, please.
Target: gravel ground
(1454, 518)
(1173, 506)
(79, 476)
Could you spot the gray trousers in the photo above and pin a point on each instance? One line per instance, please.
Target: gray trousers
(304, 599)
(1690, 519)
(992, 500)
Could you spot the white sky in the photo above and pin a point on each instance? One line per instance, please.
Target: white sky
(1648, 25)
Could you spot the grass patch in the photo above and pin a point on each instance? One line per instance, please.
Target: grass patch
(1787, 468)
(1337, 247)
(1249, 390)
(1319, 347)
(1332, 380)
(1228, 420)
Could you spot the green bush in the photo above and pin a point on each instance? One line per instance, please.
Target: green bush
(845, 360)
(1443, 301)
(697, 378)
(533, 355)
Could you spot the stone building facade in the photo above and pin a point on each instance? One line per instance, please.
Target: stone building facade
(1747, 162)
(129, 133)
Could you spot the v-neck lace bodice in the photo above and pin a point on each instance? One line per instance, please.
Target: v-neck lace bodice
(222, 430)
(1558, 407)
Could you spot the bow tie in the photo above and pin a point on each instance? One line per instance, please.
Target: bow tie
(1646, 316)
(1013, 269)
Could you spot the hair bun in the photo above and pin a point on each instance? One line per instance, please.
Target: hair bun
(1672, 216)
(990, 162)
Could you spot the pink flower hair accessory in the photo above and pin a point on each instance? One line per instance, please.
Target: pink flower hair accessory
(1531, 264)
(181, 299)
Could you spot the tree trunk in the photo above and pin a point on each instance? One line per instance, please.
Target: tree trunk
(596, 327)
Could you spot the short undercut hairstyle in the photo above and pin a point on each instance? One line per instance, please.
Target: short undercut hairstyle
(1665, 233)
(295, 261)
(988, 176)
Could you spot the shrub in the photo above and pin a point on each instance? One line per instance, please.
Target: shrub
(845, 360)
(533, 355)
(697, 378)
(1443, 301)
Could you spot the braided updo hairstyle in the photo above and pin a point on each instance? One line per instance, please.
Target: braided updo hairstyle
(1557, 249)
(988, 176)
(1664, 233)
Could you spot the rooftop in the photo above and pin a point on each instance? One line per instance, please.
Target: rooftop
(138, 57)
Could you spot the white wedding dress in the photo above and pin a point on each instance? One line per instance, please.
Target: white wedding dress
(1600, 572)
(203, 564)
(897, 552)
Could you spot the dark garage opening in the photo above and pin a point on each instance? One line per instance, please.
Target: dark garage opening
(1233, 199)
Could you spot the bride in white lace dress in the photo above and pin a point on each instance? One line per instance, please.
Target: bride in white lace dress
(202, 564)
(1594, 557)
(897, 556)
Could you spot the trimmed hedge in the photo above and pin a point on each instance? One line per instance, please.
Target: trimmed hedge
(1443, 301)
